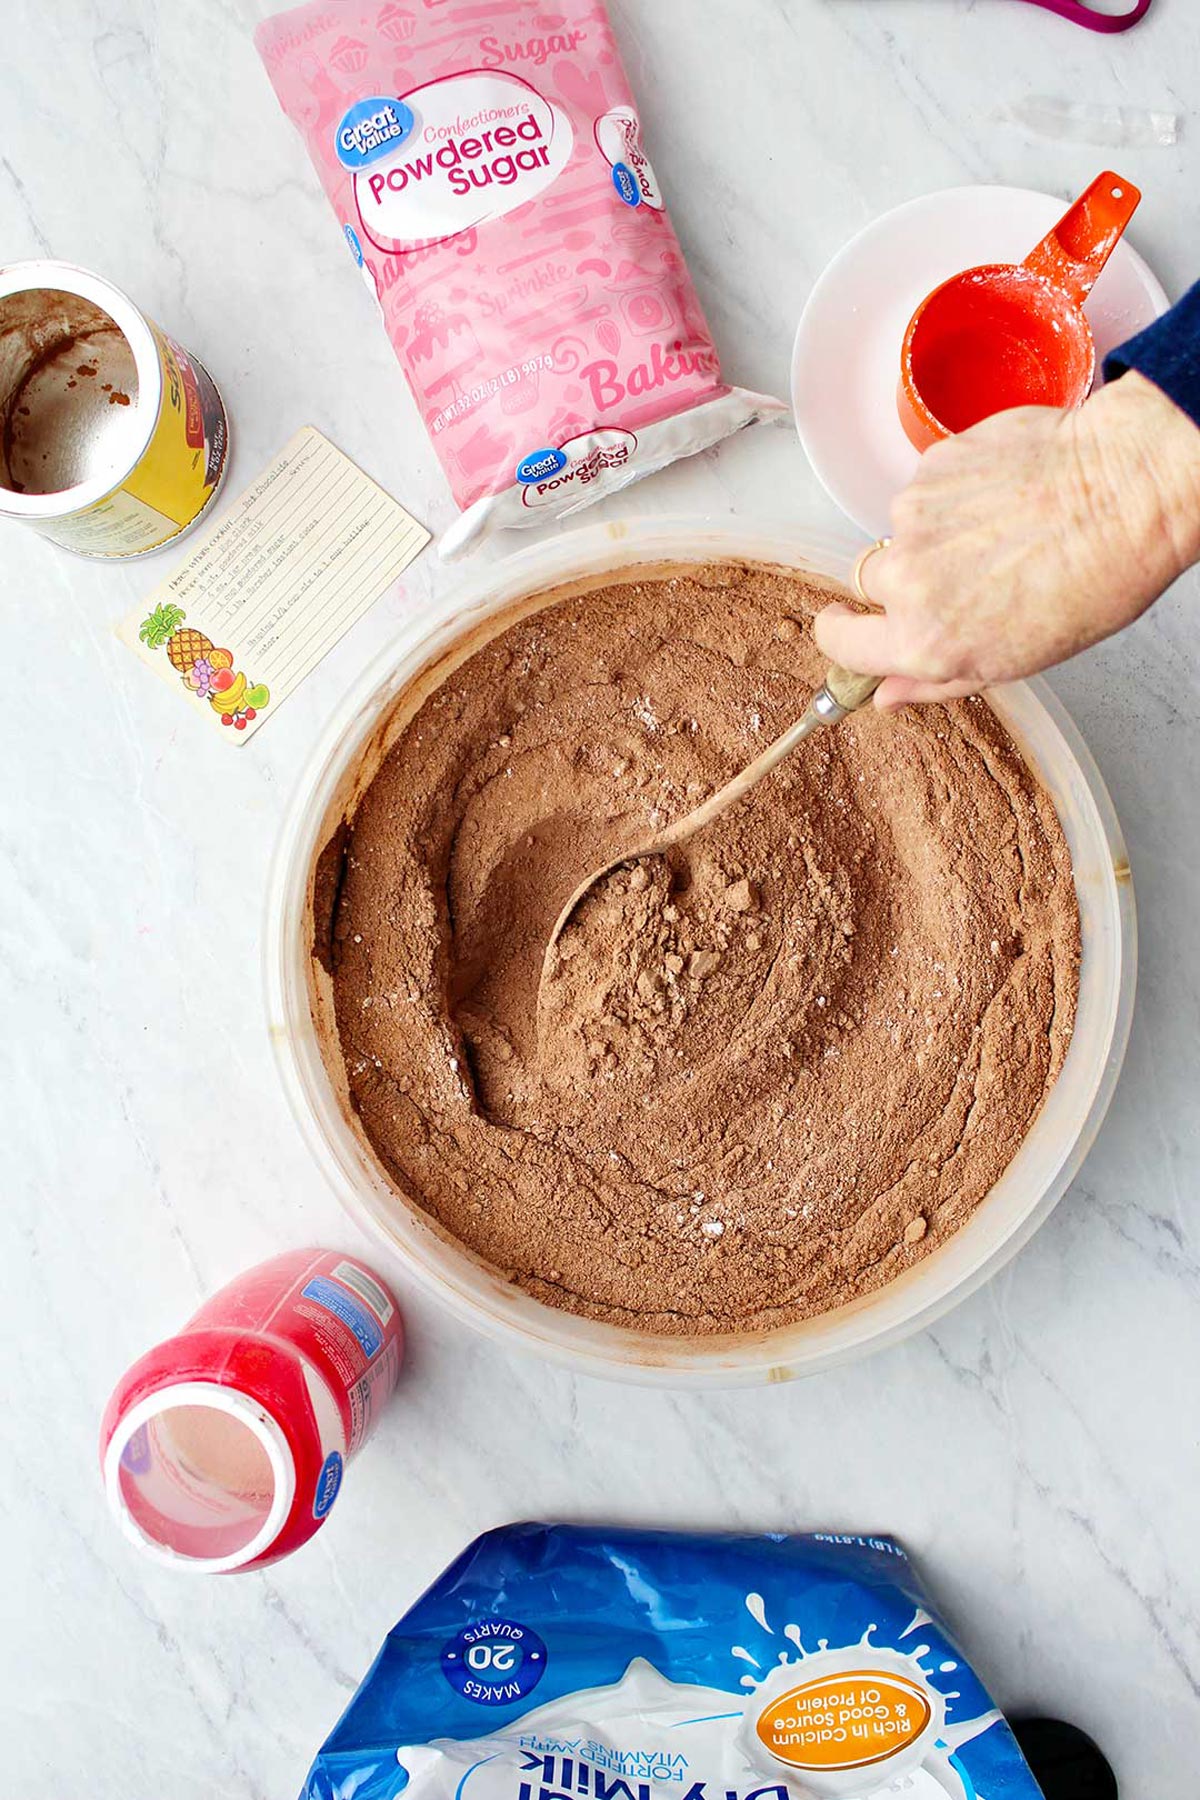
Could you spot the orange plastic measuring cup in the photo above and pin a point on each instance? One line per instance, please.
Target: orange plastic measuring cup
(1012, 334)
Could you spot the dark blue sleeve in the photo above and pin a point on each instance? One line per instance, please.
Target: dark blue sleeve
(1168, 354)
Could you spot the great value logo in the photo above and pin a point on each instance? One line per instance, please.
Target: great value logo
(329, 1482)
(539, 464)
(625, 182)
(372, 129)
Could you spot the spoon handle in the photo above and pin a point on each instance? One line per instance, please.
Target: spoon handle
(841, 692)
(847, 690)
(743, 781)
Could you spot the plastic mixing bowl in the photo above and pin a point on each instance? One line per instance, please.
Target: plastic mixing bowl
(300, 1001)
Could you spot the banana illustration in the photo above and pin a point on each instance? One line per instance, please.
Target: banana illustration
(232, 698)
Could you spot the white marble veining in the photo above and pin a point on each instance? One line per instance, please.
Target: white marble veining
(1038, 1451)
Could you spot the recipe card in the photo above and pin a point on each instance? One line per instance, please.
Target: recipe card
(267, 591)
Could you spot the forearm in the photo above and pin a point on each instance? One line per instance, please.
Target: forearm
(1146, 465)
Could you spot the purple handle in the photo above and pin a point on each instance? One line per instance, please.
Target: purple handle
(1095, 21)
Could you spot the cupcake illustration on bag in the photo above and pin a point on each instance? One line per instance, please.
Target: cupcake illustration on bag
(397, 23)
(349, 55)
(205, 668)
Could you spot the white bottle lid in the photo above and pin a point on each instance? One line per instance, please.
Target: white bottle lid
(200, 1477)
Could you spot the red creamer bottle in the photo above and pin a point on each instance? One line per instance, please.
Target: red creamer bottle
(224, 1447)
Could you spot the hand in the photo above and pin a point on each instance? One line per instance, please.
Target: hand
(1024, 540)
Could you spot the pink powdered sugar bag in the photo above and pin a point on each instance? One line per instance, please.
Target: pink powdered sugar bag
(485, 159)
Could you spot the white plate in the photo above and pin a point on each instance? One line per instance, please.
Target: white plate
(847, 356)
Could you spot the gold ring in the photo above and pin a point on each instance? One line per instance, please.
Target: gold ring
(860, 563)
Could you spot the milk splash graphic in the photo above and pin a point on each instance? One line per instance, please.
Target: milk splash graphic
(842, 1717)
(557, 1662)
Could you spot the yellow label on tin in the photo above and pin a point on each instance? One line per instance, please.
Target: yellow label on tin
(118, 525)
(182, 463)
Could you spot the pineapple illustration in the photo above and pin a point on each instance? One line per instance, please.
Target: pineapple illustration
(206, 669)
(185, 646)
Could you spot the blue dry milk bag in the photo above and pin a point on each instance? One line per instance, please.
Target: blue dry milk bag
(554, 1662)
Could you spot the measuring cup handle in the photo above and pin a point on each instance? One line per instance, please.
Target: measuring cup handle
(1073, 254)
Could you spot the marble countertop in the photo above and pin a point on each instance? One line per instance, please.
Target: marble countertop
(1038, 1451)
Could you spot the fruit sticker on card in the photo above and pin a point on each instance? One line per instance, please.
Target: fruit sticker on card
(264, 594)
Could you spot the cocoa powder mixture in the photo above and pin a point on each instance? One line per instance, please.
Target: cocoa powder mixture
(761, 1080)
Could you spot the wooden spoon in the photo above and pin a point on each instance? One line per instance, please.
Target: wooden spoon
(840, 693)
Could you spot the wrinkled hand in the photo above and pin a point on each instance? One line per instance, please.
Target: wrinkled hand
(1024, 540)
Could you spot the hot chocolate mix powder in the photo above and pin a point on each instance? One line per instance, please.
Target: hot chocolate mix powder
(761, 1079)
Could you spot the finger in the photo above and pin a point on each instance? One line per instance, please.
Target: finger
(906, 690)
(875, 573)
(859, 641)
